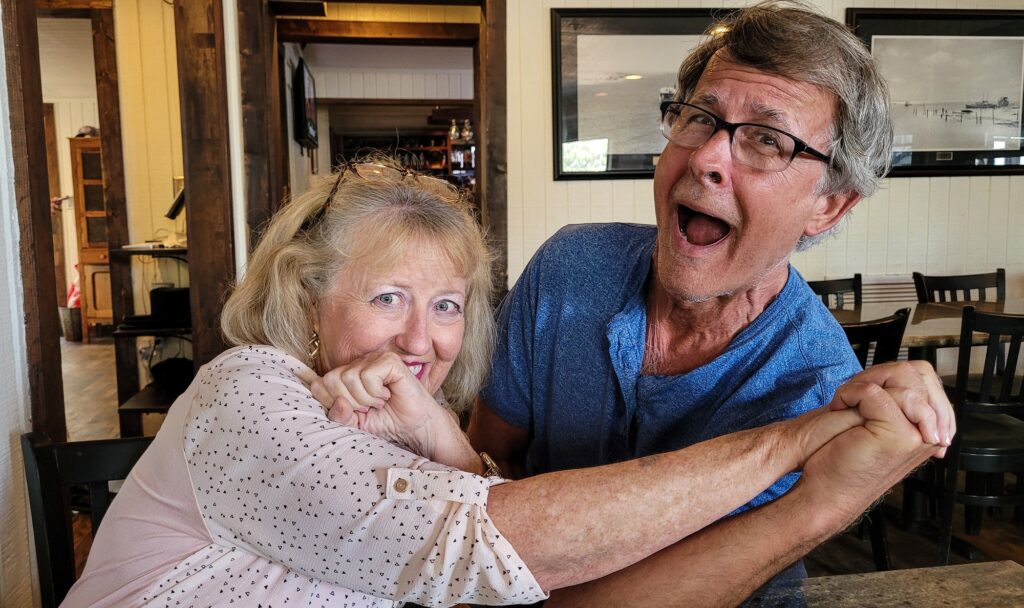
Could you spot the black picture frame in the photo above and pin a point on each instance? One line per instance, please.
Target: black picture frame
(304, 106)
(627, 156)
(947, 52)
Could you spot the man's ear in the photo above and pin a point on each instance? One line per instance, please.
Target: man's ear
(829, 210)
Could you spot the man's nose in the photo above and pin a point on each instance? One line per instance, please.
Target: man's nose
(415, 335)
(710, 163)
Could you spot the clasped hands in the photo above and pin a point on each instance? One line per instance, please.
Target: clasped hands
(881, 424)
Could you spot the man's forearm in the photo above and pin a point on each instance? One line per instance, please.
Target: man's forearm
(718, 566)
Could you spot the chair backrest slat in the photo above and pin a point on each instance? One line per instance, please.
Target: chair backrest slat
(837, 290)
(960, 288)
(884, 334)
(996, 391)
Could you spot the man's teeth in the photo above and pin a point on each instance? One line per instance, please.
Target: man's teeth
(416, 369)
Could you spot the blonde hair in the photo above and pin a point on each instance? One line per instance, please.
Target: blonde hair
(379, 210)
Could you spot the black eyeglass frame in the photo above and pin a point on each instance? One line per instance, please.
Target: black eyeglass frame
(720, 123)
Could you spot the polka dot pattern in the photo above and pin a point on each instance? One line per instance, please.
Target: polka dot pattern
(300, 511)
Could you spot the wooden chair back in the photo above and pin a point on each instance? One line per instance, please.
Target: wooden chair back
(884, 335)
(835, 293)
(50, 469)
(998, 393)
(961, 288)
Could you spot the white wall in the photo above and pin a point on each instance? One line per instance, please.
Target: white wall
(68, 77)
(15, 565)
(937, 225)
(147, 67)
(363, 71)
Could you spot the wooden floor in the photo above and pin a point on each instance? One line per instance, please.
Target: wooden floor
(90, 390)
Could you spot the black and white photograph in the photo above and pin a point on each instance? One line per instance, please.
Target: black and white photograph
(612, 70)
(956, 87)
(953, 93)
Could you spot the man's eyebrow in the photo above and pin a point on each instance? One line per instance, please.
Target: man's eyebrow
(706, 99)
(772, 116)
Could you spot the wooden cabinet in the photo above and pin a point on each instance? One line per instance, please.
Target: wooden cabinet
(91, 229)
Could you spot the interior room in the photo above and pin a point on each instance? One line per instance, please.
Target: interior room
(154, 145)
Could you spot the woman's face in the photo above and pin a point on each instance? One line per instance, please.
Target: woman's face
(414, 308)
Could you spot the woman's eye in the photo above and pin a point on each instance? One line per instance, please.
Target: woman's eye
(447, 306)
(387, 299)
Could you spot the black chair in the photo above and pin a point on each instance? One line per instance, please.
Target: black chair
(50, 469)
(883, 337)
(835, 292)
(990, 439)
(986, 287)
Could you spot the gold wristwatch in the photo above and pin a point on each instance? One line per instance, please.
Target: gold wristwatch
(490, 467)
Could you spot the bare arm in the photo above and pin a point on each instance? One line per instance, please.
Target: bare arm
(575, 526)
(840, 482)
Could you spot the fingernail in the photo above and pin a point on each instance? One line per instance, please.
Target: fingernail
(949, 439)
(363, 410)
(935, 438)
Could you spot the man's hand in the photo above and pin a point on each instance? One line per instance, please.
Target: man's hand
(914, 388)
(907, 419)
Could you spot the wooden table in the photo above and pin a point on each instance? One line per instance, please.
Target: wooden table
(990, 584)
(931, 325)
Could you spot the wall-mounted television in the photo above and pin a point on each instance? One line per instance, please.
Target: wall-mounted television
(304, 106)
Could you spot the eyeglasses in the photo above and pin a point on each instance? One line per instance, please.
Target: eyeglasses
(369, 170)
(763, 148)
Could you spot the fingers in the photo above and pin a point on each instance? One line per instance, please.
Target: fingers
(917, 393)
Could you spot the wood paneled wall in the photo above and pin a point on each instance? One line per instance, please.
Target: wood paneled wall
(357, 83)
(408, 13)
(936, 225)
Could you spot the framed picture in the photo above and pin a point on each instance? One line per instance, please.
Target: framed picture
(611, 70)
(956, 87)
(304, 106)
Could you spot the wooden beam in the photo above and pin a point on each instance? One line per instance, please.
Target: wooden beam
(202, 86)
(61, 5)
(377, 32)
(260, 113)
(31, 189)
(492, 133)
(298, 8)
(108, 100)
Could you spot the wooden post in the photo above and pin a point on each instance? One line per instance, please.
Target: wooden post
(104, 49)
(199, 31)
(28, 142)
(261, 126)
(492, 135)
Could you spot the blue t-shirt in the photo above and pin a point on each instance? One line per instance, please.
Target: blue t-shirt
(571, 343)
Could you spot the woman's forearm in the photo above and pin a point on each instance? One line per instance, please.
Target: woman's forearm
(579, 525)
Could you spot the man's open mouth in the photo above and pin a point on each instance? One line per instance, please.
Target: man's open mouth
(699, 228)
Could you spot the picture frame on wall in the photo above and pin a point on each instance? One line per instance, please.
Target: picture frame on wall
(304, 106)
(956, 87)
(611, 69)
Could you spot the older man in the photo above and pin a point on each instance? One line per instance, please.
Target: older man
(620, 341)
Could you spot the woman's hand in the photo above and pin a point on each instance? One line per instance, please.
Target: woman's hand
(378, 394)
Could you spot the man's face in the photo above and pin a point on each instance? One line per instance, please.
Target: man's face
(723, 227)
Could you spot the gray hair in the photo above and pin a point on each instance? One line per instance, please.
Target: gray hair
(377, 212)
(791, 39)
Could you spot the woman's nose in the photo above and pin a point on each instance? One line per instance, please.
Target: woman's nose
(415, 336)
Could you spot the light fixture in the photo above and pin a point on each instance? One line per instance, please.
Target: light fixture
(633, 76)
(601, 94)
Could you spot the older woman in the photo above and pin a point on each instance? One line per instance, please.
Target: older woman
(251, 496)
